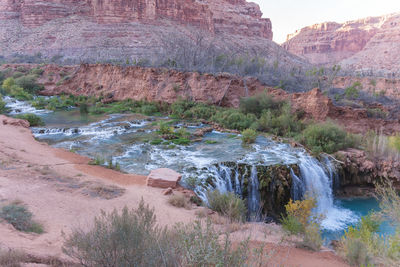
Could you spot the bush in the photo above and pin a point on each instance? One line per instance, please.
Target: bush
(129, 238)
(19, 217)
(164, 128)
(292, 225)
(192, 182)
(394, 142)
(33, 119)
(28, 83)
(37, 71)
(249, 136)
(201, 245)
(259, 103)
(149, 109)
(3, 108)
(312, 237)
(180, 201)
(300, 220)
(353, 92)
(12, 258)
(228, 205)
(132, 238)
(356, 252)
(234, 119)
(325, 137)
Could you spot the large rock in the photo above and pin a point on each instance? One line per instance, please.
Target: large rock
(163, 178)
(369, 43)
(14, 122)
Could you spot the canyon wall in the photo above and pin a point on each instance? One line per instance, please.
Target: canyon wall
(120, 29)
(370, 43)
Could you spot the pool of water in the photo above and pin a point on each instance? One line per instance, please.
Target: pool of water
(360, 207)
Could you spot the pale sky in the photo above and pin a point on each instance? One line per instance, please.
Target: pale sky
(289, 15)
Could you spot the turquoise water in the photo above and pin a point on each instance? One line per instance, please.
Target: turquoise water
(360, 207)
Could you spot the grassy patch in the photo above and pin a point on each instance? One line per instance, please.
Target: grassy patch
(228, 205)
(21, 218)
(33, 119)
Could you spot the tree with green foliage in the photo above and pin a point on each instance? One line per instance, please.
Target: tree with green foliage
(325, 137)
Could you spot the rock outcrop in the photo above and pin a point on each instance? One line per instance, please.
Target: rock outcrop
(14, 122)
(370, 43)
(360, 172)
(163, 178)
(105, 29)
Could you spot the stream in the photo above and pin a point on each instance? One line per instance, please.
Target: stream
(217, 160)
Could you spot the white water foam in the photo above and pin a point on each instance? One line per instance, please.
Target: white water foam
(22, 107)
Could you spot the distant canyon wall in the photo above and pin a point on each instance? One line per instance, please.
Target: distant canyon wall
(366, 44)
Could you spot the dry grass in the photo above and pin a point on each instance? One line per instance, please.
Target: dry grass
(180, 201)
(12, 258)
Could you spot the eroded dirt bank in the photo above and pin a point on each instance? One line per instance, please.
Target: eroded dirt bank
(115, 83)
(63, 192)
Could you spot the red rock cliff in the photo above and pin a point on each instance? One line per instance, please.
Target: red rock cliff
(228, 16)
(370, 43)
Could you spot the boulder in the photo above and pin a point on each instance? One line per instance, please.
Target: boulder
(163, 178)
(15, 122)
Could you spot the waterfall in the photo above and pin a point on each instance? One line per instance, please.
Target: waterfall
(318, 183)
(254, 196)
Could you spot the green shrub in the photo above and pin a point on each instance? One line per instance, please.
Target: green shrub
(181, 141)
(228, 205)
(356, 252)
(156, 142)
(325, 137)
(3, 108)
(28, 83)
(201, 245)
(164, 128)
(192, 182)
(37, 71)
(292, 225)
(8, 84)
(33, 119)
(353, 92)
(179, 108)
(200, 111)
(376, 113)
(234, 119)
(312, 237)
(149, 109)
(21, 218)
(259, 103)
(97, 161)
(394, 142)
(249, 136)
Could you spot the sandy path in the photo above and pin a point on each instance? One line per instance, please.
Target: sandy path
(63, 192)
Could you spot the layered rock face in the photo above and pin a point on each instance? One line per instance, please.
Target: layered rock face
(370, 43)
(114, 29)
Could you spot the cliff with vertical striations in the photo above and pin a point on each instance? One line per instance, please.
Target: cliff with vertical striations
(112, 28)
